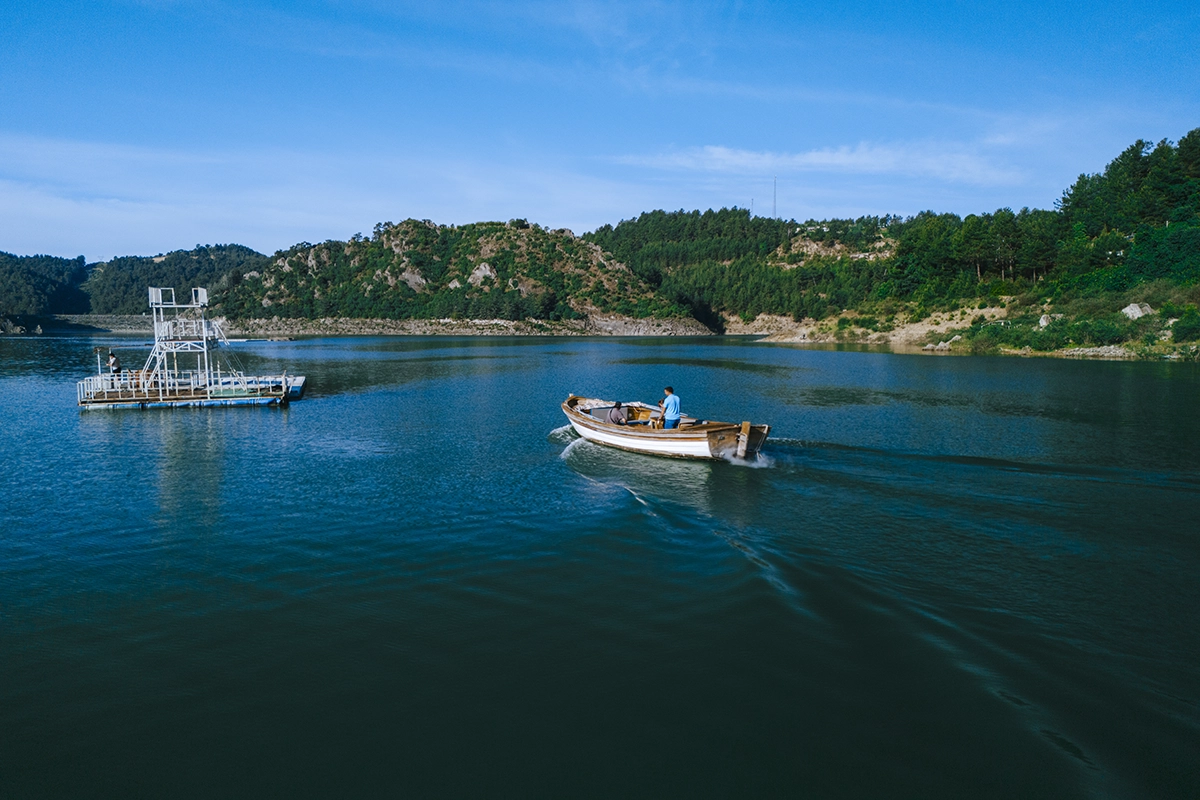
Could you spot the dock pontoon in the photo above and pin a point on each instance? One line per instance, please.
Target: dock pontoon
(182, 333)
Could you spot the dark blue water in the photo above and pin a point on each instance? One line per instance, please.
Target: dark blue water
(955, 577)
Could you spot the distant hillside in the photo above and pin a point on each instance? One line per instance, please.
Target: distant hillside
(1129, 234)
(43, 285)
(420, 270)
(35, 285)
(728, 261)
(119, 286)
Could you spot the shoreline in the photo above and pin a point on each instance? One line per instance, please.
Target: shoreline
(910, 339)
(600, 325)
(608, 325)
(939, 327)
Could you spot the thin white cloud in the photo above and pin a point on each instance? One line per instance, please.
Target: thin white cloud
(942, 162)
(66, 197)
(69, 197)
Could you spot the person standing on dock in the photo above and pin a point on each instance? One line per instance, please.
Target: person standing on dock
(670, 409)
(114, 363)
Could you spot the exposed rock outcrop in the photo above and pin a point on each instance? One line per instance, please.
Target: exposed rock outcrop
(481, 273)
(1137, 310)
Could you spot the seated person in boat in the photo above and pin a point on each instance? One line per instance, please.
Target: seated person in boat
(670, 409)
(618, 415)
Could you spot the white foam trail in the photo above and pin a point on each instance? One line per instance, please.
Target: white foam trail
(789, 440)
(637, 497)
(564, 433)
(761, 462)
(567, 450)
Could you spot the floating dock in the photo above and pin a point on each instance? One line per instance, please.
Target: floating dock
(182, 333)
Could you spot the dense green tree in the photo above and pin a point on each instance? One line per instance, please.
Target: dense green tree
(1006, 238)
(975, 244)
(1038, 236)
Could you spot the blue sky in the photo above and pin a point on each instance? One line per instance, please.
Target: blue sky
(141, 127)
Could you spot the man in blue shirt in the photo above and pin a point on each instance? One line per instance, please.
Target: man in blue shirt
(670, 408)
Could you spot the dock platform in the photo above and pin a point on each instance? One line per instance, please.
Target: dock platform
(187, 335)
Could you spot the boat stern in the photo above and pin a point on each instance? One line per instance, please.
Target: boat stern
(741, 442)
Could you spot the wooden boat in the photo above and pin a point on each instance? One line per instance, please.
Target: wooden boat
(694, 438)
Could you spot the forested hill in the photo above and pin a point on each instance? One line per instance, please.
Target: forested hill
(1138, 222)
(35, 285)
(420, 270)
(42, 285)
(1128, 234)
(119, 286)
(729, 261)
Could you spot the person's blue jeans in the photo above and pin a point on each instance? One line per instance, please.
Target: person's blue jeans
(671, 423)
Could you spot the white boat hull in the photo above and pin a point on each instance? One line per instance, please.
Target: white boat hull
(678, 447)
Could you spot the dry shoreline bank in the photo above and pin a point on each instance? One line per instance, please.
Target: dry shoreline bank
(912, 337)
(908, 338)
(340, 326)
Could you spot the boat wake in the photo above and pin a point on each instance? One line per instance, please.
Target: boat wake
(791, 441)
(639, 498)
(761, 461)
(563, 435)
(566, 452)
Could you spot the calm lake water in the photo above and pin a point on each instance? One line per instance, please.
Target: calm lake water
(953, 577)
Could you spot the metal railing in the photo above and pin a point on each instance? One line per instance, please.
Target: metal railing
(182, 328)
(145, 386)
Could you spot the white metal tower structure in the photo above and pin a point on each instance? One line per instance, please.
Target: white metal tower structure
(176, 334)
